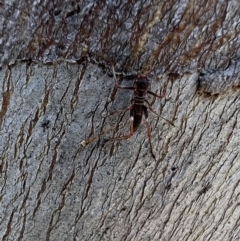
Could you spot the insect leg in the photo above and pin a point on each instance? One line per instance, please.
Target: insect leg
(123, 87)
(148, 128)
(117, 84)
(123, 110)
(147, 123)
(131, 129)
(154, 94)
(153, 111)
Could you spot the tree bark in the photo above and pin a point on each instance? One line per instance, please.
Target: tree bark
(58, 180)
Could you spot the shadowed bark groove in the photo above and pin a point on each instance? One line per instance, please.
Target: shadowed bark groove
(58, 182)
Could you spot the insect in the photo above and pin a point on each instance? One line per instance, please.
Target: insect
(137, 107)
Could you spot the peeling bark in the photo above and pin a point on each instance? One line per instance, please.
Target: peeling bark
(58, 182)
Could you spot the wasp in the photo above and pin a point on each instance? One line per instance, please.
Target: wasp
(139, 106)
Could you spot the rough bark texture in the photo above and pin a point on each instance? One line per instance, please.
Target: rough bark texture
(58, 182)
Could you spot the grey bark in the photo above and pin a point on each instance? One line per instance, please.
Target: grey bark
(58, 182)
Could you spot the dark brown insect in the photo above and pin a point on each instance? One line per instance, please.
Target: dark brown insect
(137, 107)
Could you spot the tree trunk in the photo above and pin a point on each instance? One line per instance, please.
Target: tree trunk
(60, 178)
